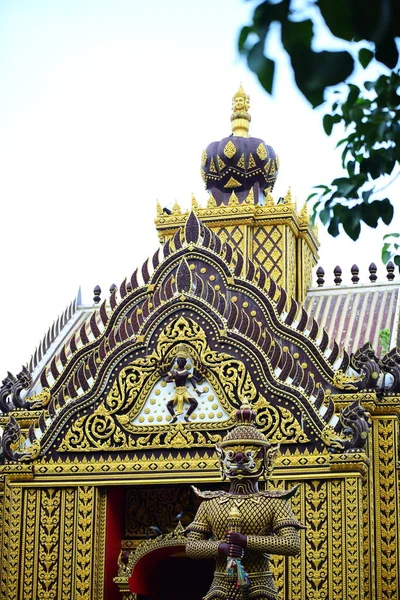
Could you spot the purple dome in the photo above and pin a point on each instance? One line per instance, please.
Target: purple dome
(239, 163)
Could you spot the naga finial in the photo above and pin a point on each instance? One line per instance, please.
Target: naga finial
(240, 117)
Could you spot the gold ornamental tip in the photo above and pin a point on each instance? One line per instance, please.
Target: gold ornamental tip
(245, 403)
(235, 513)
(240, 117)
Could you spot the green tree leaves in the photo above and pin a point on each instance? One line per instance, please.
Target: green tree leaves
(370, 114)
(370, 150)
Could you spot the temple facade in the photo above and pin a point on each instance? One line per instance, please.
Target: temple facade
(119, 410)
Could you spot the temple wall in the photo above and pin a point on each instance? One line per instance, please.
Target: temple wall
(384, 494)
(54, 538)
(53, 543)
(330, 565)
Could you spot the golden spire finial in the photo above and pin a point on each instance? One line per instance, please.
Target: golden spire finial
(240, 117)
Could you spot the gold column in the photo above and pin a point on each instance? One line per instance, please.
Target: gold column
(330, 565)
(11, 547)
(386, 500)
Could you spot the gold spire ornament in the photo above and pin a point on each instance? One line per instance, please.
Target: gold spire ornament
(240, 117)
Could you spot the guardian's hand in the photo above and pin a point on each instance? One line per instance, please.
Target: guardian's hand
(236, 539)
(231, 550)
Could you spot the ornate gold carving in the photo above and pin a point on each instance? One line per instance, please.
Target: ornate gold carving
(230, 149)
(232, 183)
(84, 542)
(99, 543)
(368, 527)
(176, 209)
(212, 166)
(252, 162)
(277, 562)
(336, 501)
(204, 158)
(158, 505)
(195, 204)
(388, 540)
(278, 423)
(353, 539)
(111, 425)
(240, 117)
(68, 543)
(346, 382)
(288, 198)
(221, 164)
(48, 543)
(261, 152)
(268, 251)
(40, 400)
(296, 575)
(240, 162)
(303, 216)
(211, 203)
(29, 556)
(233, 200)
(250, 197)
(316, 534)
(11, 543)
(269, 201)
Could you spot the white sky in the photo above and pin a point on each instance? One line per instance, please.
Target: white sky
(105, 107)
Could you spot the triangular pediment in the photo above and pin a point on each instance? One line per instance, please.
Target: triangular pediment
(245, 338)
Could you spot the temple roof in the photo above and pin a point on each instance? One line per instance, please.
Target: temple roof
(356, 314)
(351, 316)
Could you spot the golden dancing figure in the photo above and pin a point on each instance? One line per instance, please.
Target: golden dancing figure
(241, 527)
(180, 376)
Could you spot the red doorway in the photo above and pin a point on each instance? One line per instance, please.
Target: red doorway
(171, 577)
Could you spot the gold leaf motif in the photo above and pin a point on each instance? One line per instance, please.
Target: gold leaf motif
(211, 202)
(179, 437)
(230, 149)
(278, 423)
(252, 162)
(204, 158)
(212, 166)
(262, 152)
(84, 545)
(250, 197)
(176, 209)
(269, 201)
(49, 536)
(288, 197)
(232, 183)
(221, 164)
(267, 166)
(233, 200)
(240, 162)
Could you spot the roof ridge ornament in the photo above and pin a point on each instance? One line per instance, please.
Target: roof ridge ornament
(240, 116)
